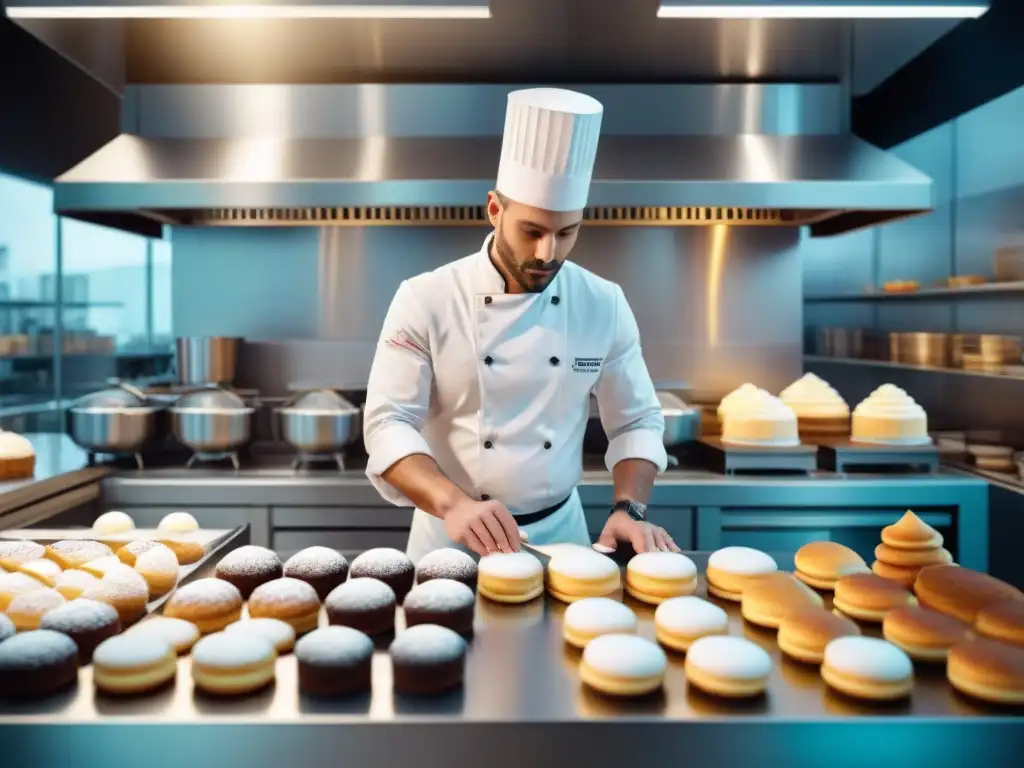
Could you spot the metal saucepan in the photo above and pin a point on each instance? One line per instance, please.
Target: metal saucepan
(318, 423)
(205, 360)
(119, 420)
(212, 421)
(682, 423)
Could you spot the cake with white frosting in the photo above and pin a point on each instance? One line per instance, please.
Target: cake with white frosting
(739, 395)
(17, 456)
(889, 416)
(819, 409)
(760, 419)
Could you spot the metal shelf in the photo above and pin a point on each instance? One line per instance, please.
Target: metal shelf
(909, 367)
(978, 291)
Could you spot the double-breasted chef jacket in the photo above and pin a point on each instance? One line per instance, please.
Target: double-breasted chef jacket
(496, 387)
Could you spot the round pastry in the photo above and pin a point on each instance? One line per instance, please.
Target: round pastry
(100, 566)
(447, 563)
(760, 420)
(14, 553)
(582, 573)
(334, 661)
(73, 583)
(986, 669)
(74, 553)
(1002, 621)
(290, 600)
(820, 564)
(767, 599)
(14, 584)
(320, 567)
(210, 604)
(805, 632)
(364, 604)
(113, 522)
(653, 577)
(248, 567)
(445, 602)
(912, 558)
(681, 621)
(510, 577)
(37, 663)
(596, 616)
(910, 532)
(731, 667)
(924, 634)
(130, 551)
(133, 663)
(905, 577)
(6, 628)
(819, 409)
(17, 456)
(44, 570)
(124, 589)
(233, 664)
(279, 634)
(181, 635)
(961, 592)
(87, 622)
(387, 565)
(427, 659)
(186, 550)
(867, 668)
(178, 522)
(742, 392)
(159, 567)
(623, 665)
(889, 416)
(26, 610)
(868, 597)
(730, 569)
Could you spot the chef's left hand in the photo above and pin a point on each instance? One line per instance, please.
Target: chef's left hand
(643, 536)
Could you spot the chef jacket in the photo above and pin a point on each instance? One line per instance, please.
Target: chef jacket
(495, 387)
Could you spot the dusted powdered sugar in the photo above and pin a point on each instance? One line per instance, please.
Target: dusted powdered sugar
(21, 551)
(131, 650)
(274, 631)
(6, 628)
(102, 565)
(360, 595)
(334, 646)
(46, 569)
(81, 615)
(120, 581)
(742, 560)
(283, 592)
(583, 564)
(511, 565)
(383, 562)
(233, 649)
(249, 560)
(81, 550)
(600, 614)
(206, 593)
(139, 546)
(178, 522)
(315, 563)
(427, 644)
(663, 565)
(690, 615)
(76, 579)
(734, 658)
(625, 655)
(157, 560)
(17, 583)
(868, 657)
(38, 648)
(178, 632)
(439, 596)
(447, 563)
(36, 602)
(113, 522)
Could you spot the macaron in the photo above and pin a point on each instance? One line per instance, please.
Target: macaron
(912, 558)
(868, 597)
(924, 634)
(867, 668)
(623, 665)
(961, 592)
(133, 663)
(730, 667)
(653, 577)
(596, 616)
(233, 663)
(510, 577)
(820, 564)
(731, 569)
(1002, 621)
(767, 599)
(905, 577)
(910, 532)
(681, 621)
(988, 670)
(805, 632)
(582, 573)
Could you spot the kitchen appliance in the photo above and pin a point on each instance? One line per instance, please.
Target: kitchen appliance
(682, 423)
(204, 360)
(320, 425)
(215, 423)
(115, 421)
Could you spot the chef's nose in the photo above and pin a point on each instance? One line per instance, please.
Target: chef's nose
(546, 249)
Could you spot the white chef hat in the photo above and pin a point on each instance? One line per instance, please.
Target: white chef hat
(547, 154)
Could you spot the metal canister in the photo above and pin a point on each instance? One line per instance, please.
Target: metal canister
(205, 360)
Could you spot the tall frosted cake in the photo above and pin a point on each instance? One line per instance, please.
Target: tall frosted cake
(819, 409)
(889, 416)
(760, 419)
(734, 398)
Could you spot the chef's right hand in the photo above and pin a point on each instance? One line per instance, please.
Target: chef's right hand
(483, 526)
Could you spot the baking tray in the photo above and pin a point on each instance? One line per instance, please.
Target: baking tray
(742, 459)
(844, 455)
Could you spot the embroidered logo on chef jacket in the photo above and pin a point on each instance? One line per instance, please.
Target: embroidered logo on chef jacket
(402, 339)
(587, 364)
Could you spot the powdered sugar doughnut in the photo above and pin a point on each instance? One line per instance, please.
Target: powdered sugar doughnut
(159, 567)
(100, 565)
(181, 635)
(124, 589)
(178, 522)
(249, 566)
(447, 563)
(74, 553)
(73, 583)
(210, 604)
(445, 602)
(680, 621)
(14, 584)
(582, 573)
(334, 661)
(364, 604)
(87, 622)
(133, 663)
(427, 659)
(26, 610)
(387, 565)
(43, 570)
(623, 665)
(731, 569)
(278, 633)
(510, 577)
(130, 551)
(37, 663)
(290, 600)
(320, 567)
(112, 522)
(232, 664)
(595, 616)
(14, 553)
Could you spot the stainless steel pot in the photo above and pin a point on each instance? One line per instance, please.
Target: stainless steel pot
(117, 420)
(682, 423)
(212, 421)
(320, 422)
(206, 360)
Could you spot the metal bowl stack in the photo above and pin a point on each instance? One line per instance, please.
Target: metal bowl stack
(118, 420)
(319, 423)
(212, 421)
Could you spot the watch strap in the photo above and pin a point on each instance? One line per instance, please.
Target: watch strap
(634, 509)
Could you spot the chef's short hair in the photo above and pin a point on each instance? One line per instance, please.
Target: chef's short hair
(501, 199)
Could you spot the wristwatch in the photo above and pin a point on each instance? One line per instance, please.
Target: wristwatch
(634, 509)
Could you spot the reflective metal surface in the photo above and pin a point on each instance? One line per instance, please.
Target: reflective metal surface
(319, 423)
(206, 359)
(111, 429)
(682, 423)
(212, 431)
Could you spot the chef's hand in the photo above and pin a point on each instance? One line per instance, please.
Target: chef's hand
(643, 536)
(483, 526)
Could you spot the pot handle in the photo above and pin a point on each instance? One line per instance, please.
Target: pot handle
(131, 389)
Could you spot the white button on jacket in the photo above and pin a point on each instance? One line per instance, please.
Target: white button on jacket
(496, 388)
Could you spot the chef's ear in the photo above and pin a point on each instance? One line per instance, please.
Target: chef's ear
(496, 203)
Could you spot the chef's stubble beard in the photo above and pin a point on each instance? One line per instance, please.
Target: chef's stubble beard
(508, 259)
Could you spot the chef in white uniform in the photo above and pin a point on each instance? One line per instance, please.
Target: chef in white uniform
(480, 389)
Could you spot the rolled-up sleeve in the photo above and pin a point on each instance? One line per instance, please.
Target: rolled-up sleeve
(630, 411)
(398, 392)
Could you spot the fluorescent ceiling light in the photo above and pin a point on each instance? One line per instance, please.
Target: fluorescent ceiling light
(796, 9)
(351, 10)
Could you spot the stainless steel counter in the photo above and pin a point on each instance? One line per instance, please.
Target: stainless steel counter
(60, 466)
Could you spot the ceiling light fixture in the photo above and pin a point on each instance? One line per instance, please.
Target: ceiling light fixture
(821, 9)
(274, 9)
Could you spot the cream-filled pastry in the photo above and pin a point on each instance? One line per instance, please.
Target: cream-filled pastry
(889, 416)
(760, 420)
(738, 395)
(819, 409)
